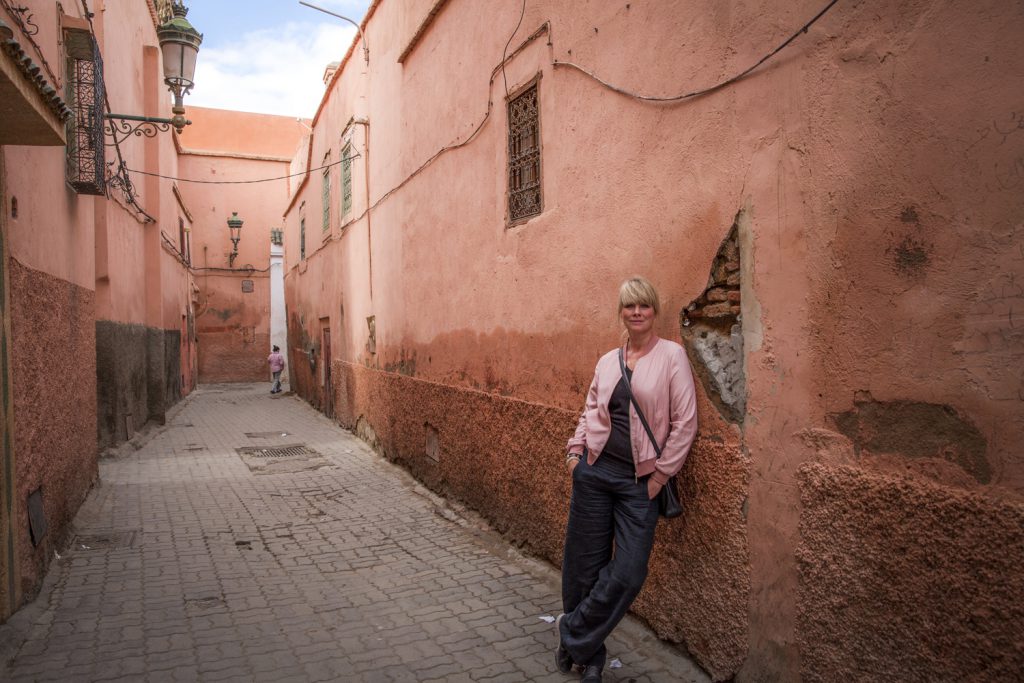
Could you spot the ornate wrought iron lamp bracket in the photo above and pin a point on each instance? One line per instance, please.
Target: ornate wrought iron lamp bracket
(119, 127)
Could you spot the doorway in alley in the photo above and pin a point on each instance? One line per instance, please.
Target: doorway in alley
(325, 367)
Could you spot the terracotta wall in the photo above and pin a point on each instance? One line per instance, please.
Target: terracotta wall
(233, 323)
(869, 175)
(96, 295)
(53, 375)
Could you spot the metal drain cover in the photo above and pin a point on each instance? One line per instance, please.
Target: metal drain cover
(104, 541)
(276, 451)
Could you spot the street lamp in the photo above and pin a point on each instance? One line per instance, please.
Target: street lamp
(179, 43)
(235, 226)
(366, 48)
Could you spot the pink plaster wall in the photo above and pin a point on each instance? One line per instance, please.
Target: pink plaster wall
(872, 168)
(233, 327)
(79, 264)
(242, 133)
(53, 379)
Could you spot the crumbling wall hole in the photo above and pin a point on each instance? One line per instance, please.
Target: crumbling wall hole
(711, 329)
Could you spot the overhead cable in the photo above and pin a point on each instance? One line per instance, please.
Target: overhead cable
(242, 182)
(703, 91)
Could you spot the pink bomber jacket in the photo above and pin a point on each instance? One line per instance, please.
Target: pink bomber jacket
(663, 386)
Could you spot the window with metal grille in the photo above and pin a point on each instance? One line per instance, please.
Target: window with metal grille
(325, 194)
(277, 236)
(346, 179)
(182, 242)
(85, 166)
(302, 238)
(524, 189)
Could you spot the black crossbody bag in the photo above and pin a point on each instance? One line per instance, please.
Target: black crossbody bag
(668, 497)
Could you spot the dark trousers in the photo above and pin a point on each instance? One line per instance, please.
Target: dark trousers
(609, 509)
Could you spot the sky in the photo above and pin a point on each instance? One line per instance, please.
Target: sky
(269, 58)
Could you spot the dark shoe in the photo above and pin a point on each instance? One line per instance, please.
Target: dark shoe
(591, 674)
(563, 660)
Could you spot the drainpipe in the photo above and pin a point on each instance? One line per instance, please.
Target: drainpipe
(365, 123)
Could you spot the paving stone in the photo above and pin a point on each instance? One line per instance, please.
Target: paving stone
(319, 571)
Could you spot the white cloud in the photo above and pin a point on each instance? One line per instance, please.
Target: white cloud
(270, 71)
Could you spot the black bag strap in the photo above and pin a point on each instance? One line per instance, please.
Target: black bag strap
(636, 406)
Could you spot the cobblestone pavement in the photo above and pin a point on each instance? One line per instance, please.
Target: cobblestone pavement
(192, 561)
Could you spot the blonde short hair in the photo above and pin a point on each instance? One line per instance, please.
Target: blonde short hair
(638, 290)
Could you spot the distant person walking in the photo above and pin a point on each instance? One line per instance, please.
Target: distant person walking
(617, 475)
(276, 361)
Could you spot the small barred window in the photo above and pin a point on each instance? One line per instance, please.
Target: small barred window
(524, 188)
(346, 179)
(325, 194)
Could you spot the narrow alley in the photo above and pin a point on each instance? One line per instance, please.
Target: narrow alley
(206, 555)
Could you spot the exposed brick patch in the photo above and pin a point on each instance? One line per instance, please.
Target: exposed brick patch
(712, 332)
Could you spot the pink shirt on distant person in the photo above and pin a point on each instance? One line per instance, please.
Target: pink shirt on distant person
(276, 361)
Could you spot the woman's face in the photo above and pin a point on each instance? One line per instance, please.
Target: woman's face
(638, 318)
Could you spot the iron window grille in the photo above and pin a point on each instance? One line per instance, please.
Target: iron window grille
(85, 161)
(524, 183)
(346, 179)
(183, 246)
(325, 194)
(277, 236)
(302, 238)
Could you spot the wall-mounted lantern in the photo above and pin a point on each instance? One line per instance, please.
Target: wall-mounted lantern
(179, 43)
(235, 226)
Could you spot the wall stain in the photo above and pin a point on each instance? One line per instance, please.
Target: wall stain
(223, 314)
(912, 255)
(913, 429)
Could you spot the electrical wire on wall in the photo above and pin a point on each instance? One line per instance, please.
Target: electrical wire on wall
(522, 13)
(544, 28)
(702, 91)
(243, 182)
(173, 249)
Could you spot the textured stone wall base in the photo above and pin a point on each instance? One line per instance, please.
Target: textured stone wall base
(139, 370)
(902, 579)
(53, 373)
(233, 355)
(505, 458)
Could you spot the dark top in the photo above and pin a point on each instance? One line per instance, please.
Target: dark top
(619, 446)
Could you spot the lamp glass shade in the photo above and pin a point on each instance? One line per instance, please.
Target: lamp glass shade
(179, 63)
(179, 42)
(235, 225)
